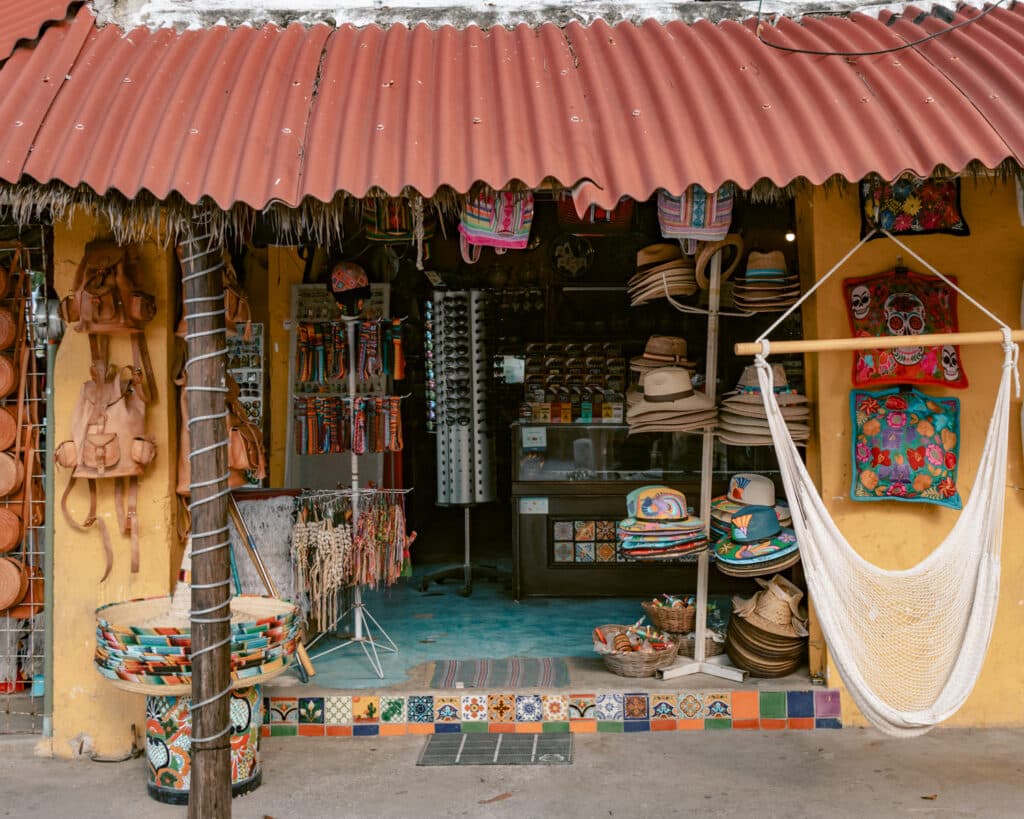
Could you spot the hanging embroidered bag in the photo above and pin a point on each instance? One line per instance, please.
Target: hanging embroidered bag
(696, 216)
(595, 221)
(391, 221)
(501, 220)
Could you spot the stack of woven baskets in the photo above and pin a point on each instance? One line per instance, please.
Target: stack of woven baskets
(634, 651)
(145, 646)
(678, 616)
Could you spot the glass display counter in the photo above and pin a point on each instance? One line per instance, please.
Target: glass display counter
(569, 488)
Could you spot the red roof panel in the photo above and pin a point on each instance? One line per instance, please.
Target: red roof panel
(24, 19)
(263, 115)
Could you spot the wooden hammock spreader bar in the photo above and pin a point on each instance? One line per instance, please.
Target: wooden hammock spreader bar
(823, 345)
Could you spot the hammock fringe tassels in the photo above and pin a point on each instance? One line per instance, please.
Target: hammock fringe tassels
(909, 644)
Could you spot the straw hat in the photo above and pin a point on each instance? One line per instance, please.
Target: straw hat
(775, 609)
(660, 268)
(747, 489)
(662, 351)
(756, 544)
(732, 242)
(748, 388)
(766, 285)
(669, 389)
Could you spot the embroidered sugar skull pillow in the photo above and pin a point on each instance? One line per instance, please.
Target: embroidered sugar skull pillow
(904, 304)
(906, 447)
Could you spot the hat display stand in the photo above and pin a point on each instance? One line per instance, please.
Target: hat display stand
(143, 646)
(465, 437)
(366, 632)
(717, 666)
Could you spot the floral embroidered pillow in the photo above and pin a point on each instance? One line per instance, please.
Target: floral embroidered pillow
(904, 304)
(911, 206)
(906, 447)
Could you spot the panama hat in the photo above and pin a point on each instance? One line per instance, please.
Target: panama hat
(662, 351)
(748, 388)
(661, 267)
(669, 389)
(747, 489)
(775, 609)
(707, 251)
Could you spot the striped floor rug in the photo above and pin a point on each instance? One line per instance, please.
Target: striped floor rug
(509, 672)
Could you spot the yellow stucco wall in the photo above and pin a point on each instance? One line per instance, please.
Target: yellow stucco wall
(284, 269)
(89, 712)
(990, 265)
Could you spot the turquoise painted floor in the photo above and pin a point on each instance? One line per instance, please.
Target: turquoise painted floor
(441, 625)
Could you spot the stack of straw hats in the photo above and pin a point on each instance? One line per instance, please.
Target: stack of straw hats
(658, 526)
(662, 270)
(756, 544)
(745, 489)
(742, 418)
(662, 351)
(766, 287)
(767, 633)
(667, 402)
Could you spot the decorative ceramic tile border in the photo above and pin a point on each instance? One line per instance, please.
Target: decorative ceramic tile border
(593, 712)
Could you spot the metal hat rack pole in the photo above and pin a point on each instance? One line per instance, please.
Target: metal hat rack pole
(701, 664)
(364, 624)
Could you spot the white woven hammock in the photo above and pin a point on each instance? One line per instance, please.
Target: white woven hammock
(909, 644)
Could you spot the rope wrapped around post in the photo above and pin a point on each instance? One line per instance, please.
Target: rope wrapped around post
(205, 339)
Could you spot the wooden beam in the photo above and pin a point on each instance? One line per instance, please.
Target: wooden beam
(823, 345)
(202, 273)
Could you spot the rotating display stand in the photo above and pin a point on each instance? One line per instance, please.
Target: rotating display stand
(465, 437)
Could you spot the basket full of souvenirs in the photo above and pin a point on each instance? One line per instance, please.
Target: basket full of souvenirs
(634, 651)
(674, 613)
(714, 643)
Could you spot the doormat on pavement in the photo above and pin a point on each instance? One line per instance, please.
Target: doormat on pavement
(497, 749)
(510, 672)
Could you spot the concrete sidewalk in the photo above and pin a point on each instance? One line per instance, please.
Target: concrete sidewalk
(846, 773)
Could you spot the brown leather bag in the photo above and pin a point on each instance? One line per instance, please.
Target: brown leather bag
(237, 312)
(245, 442)
(109, 441)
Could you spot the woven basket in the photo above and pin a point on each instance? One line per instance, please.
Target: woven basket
(687, 642)
(637, 663)
(677, 621)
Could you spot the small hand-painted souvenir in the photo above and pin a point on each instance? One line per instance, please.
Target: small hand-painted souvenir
(906, 447)
(904, 304)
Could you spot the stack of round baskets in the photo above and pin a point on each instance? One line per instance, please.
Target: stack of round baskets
(145, 647)
(680, 624)
(637, 663)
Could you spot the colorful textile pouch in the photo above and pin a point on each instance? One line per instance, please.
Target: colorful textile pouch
(696, 216)
(906, 447)
(596, 221)
(501, 220)
(391, 221)
(904, 304)
(911, 206)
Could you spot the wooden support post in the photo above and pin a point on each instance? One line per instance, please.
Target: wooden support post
(210, 792)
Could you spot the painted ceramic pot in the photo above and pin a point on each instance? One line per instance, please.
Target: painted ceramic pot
(169, 745)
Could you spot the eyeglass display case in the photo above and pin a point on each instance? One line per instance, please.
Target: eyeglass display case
(569, 489)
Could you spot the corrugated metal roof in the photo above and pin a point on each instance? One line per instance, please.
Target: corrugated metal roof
(24, 19)
(262, 115)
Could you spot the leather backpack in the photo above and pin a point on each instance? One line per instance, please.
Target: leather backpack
(109, 441)
(237, 312)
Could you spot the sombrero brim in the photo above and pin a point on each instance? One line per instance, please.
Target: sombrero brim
(791, 412)
(632, 526)
(643, 364)
(776, 547)
(749, 440)
(698, 402)
(758, 569)
(754, 397)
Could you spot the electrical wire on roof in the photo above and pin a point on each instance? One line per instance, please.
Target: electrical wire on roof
(825, 53)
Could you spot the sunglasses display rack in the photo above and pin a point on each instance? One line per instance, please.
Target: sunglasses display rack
(460, 394)
(245, 365)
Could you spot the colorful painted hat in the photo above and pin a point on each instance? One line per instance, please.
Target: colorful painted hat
(657, 503)
(755, 537)
(632, 526)
(348, 276)
(747, 489)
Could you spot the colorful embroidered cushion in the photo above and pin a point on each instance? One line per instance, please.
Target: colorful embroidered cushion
(906, 447)
(903, 304)
(911, 206)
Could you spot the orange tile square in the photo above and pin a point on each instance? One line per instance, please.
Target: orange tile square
(529, 727)
(421, 727)
(690, 724)
(801, 723)
(773, 724)
(745, 724)
(339, 730)
(311, 730)
(393, 729)
(745, 706)
(507, 727)
(663, 725)
(583, 726)
(265, 730)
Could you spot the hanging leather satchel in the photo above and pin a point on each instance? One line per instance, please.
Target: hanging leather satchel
(237, 310)
(109, 441)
